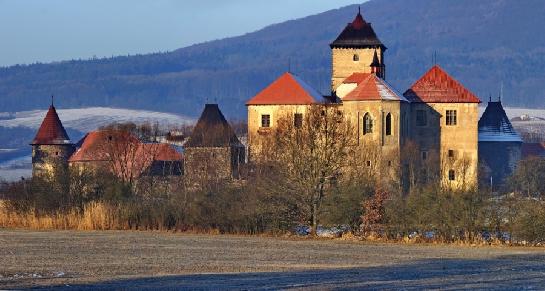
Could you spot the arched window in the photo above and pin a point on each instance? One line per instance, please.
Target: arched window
(367, 123)
(356, 58)
(388, 129)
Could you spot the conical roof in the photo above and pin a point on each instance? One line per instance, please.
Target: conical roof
(288, 89)
(51, 131)
(494, 125)
(436, 86)
(212, 130)
(358, 34)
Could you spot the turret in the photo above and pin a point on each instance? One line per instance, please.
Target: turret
(51, 148)
(356, 50)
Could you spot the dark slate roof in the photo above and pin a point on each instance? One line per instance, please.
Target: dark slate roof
(358, 33)
(494, 125)
(51, 131)
(212, 130)
(376, 62)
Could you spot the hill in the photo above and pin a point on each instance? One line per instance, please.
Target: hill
(482, 43)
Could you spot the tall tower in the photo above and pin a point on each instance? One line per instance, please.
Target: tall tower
(51, 148)
(356, 50)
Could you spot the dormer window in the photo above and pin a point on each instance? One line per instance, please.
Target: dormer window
(356, 58)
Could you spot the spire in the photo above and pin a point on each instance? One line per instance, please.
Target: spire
(51, 131)
(358, 34)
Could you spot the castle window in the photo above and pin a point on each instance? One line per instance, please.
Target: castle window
(367, 124)
(389, 163)
(388, 129)
(265, 120)
(451, 175)
(451, 117)
(421, 118)
(424, 155)
(356, 58)
(56, 153)
(298, 120)
(451, 153)
(368, 163)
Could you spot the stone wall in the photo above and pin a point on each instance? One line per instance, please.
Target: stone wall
(439, 138)
(344, 64)
(48, 159)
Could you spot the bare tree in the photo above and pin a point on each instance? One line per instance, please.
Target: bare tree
(312, 153)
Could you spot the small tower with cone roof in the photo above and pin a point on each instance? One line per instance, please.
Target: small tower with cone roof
(51, 148)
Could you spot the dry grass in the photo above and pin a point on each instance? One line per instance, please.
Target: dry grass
(95, 216)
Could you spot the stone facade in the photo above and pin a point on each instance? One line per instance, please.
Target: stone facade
(49, 160)
(213, 163)
(256, 130)
(346, 61)
(456, 145)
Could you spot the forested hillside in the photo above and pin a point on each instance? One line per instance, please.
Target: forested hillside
(482, 43)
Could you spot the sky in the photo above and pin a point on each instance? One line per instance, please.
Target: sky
(54, 30)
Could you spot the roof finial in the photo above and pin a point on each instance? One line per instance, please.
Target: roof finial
(501, 92)
(289, 65)
(359, 9)
(52, 99)
(490, 98)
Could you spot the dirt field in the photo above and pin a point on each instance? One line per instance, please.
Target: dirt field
(119, 260)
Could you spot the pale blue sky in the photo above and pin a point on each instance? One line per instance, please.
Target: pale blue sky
(53, 30)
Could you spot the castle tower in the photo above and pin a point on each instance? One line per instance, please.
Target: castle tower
(213, 150)
(499, 145)
(445, 115)
(51, 148)
(356, 50)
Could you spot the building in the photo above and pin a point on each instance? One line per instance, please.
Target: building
(213, 150)
(115, 151)
(436, 113)
(500, 146)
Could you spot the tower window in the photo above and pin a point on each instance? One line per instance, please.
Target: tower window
(367, 124)
(424, 155)
(451, 117)
(356, 58)
(56, 153)
(388, 129)
(451, 153)
(265, 120)
(298, 120)
(451, 175)
(368, 163)
(421, 118)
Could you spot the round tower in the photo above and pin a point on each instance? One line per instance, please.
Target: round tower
(51, 148)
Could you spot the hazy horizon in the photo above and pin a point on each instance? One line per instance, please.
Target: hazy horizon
(56, 30)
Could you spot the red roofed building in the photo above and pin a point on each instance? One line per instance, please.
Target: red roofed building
(444, 121)
(286, 97)
(126, 156)
(51, 147)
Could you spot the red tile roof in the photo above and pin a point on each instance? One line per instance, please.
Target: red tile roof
(94, 147)
(436, 86)
(370, 87)
(51, 131)
(533, 150)
(288, 89)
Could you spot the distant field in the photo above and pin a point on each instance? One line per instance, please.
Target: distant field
(152, 260)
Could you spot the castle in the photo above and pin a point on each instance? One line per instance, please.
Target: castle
(435, 122)
(436, 113)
